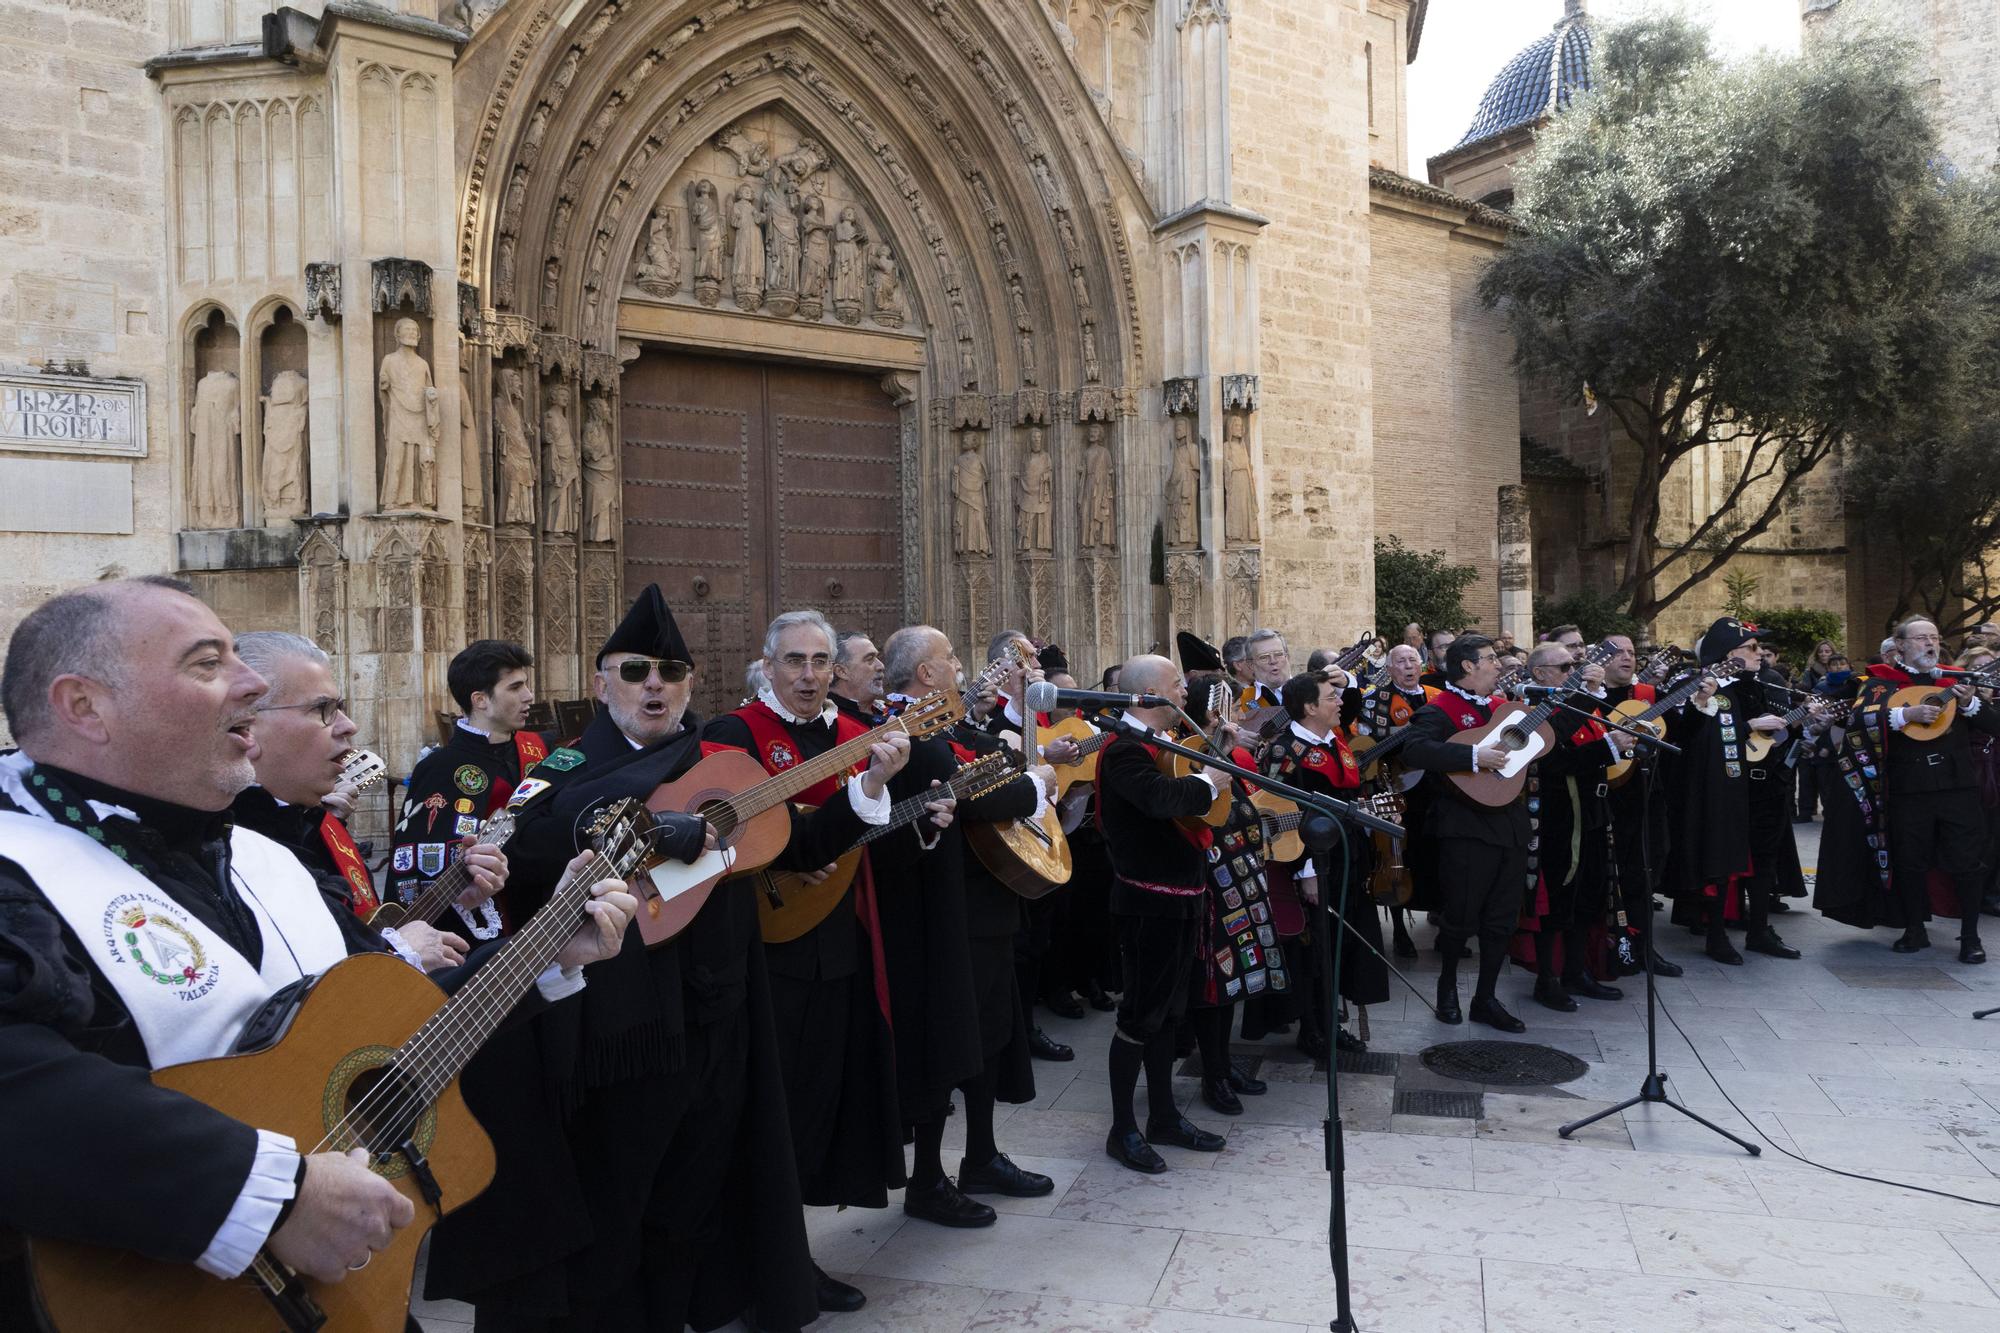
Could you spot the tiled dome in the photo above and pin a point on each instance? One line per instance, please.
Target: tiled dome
(1538, 82)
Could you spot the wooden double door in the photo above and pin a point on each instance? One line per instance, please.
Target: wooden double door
(753, 488)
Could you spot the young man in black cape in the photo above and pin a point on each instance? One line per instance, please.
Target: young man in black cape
(1639, 826)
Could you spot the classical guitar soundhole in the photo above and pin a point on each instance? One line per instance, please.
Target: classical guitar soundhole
(369, 1103)
(1514, 738)
(721, 817)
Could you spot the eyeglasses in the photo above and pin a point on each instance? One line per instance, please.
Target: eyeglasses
(328, 709)
(634, 670)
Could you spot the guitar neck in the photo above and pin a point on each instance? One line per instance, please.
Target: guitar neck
(911, 808)
(439, 894)
(776, 790)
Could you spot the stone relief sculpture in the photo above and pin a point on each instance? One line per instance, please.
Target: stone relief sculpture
(815, 258)
(516, 498)
(746, 258)
(214, 423)
(559, 442)
(848, 243)
(779, 210)
(1036, 500)
(411, 417)
(284, 464)
(503, 273)
(658, 272)
(885, 284)
(600, 482)
(968, 493)
(1184, 487)
(705, 217)
(1100, 515)
(471, 474)
(1239, 486)
(551, 290)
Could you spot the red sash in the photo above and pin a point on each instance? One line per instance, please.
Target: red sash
(1645, 693)
(1588, 733)
(1332, 761)
(532, 751)
(777, 751)
(1464, 714)
(360, 884)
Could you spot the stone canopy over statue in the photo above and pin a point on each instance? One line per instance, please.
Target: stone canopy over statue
(411, 419)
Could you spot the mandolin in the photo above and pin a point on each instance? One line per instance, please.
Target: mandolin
(790, 906)
(1029, 855)
(1281, 819)
(1937, 693)
(1758, 746)
(746, 806)
(1524, 732)
(1649, 717)
(369, 1058)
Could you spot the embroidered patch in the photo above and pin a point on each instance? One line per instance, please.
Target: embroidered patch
(471, 779)
(1734, 770)
(1223, 878)
(147, 932)
(466, 824)
(433, 807)
(1235, 922)
(463, 805)
(1232, 899)
(430, 858)
(1256, 981)
(1267, 937)
(1232, 987)
(405, 860)
(526, 792)
(1260, 913)
(1316, 758)
(1226, 960)
(562, 761)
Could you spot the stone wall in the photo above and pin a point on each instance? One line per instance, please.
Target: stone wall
(1958, 49)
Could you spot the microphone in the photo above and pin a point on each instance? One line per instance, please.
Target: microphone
(1043, 697)
(1546, 691)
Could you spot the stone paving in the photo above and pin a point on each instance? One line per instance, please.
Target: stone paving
(1856, 1057)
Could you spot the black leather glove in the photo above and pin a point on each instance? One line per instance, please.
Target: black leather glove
(679, 836)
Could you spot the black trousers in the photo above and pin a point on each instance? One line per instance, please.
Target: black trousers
(1943, 831)
(1156, 953)
(1482, 887)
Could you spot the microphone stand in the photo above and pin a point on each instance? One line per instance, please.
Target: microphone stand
(1653, 1088)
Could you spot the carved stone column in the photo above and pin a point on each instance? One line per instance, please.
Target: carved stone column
(1034, 501)
(971, 492)
(919, 590)
(1242, 504)
(1517, 564)
(600, 600)
(556, 640)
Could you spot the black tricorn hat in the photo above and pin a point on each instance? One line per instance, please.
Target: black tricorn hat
(648, 628)
(1053, 659)
(1197, 653)
(1724, 636)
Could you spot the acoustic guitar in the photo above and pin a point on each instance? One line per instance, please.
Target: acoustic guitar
(361, 769)
(1526, 735)
(746, 806)
(1029, 855)
(1281, 819)
(1757, 748)
(369, 1059)
(1180, 766)
(1651, 717)
(443, 891)
(790, 905)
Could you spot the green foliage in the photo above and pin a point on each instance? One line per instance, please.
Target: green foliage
(1596, 614)
(1757, 252)
(1742, 585)
(1794, 633)
(1420, 586)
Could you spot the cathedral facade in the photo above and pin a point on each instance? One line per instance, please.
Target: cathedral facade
(404, 324)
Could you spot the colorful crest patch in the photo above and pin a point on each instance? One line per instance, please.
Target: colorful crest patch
(430, 858)
(150, 935)
(471, 779)
(563, 760)
(405, 859)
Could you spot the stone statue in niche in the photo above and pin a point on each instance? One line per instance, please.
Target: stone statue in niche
(284, 477)
(600, 482)
(411, 418)
(503, 274)
(815, 258)
(516, 498)
(551, 290)
(1184, 486)
(1239, 485)
(746, 259)
(1037, 496)
(560, 443)
(780, 209)
(471, 474)
(885, 287)
(849, 244)
(705, 218)
(658, 272)
(968, 493)
(1100, 512)
(215, 422)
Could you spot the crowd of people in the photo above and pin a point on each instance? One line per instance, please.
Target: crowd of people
(662, 1112)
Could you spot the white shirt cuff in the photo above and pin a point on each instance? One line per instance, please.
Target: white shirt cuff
(873, 810)
(1706, 707)
(403, 951)
(1307, 870)
(1611, 739)
(1214, 783)
(1970, 706)
(1041, 797)
(1895, 719)
(1475, 757)
(558, 982)
(274, 1175)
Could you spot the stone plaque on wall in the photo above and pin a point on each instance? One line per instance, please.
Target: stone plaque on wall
(71, 414)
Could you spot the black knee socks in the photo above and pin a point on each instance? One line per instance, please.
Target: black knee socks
(1545, 951)
(1126, 1058)
(1492, 956)
(1575, 952)
(928, 1169)
(979, 1145)
(1448, 947)
(1160, 1106)
(1211, 1031)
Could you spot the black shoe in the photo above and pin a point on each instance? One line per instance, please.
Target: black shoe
(1590, 988)
(1184, 1133)
(1131, 1149)
(1722, 951)
(1913, 939)
(1064, 1005)
(945, 1204)
(1242, 1084)
(1279, 1029)
(1100, 1001)
(1311, 1045)
(1779, 904)
(1766, 941)
(1407, 947)
(1551, 994)
(835, 1296)
(1663, 967)
(1447, 1006)
(1221, 1098)
(1343, 1040)
(1044, 1047)
(1001, 1176)
(1493, 1015)
(1971, 952)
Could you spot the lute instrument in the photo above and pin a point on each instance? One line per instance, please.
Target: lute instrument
(1759, 744)
(1281, 818)
(747, 808)
(790, 905)
(1526, 735)
(1651, 717)
(1939, 695)
(1180, 766)
(369, 1058)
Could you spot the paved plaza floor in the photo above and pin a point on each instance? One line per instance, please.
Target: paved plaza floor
(1486, 1221)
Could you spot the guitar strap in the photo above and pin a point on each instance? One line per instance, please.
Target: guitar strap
(360, 884)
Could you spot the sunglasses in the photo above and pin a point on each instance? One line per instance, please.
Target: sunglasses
(328, 709)
(634, 670)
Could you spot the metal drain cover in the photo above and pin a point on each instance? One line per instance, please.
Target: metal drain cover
(1441, 1103)
(1506, 1064)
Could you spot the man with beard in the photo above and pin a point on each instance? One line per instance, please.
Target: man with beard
(100, 684)
(1436, 644)
(676, 1127)
(462, 782)
(1736, 823)
(1920, 796)
(1638, 808)
(829, 991)
(948, 937)
(857, 678)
